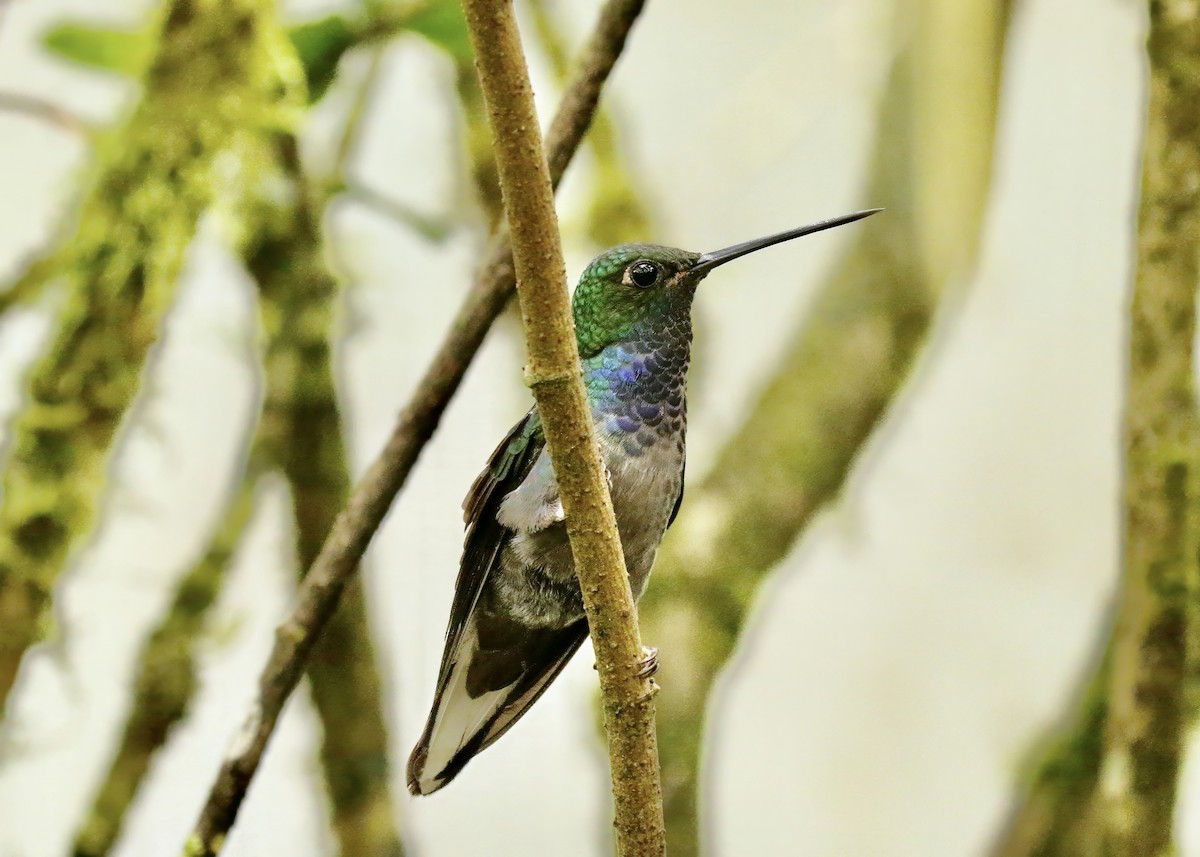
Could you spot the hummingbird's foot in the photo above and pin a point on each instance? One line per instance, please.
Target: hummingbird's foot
(648, 665)
(608, 478)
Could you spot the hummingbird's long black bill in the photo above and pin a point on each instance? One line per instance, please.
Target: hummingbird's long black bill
(719, 257)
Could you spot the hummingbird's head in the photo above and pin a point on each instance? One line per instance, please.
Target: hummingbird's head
(628, 286)
(634, 284)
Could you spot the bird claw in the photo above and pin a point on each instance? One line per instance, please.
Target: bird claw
(648, 665)
(608, 478)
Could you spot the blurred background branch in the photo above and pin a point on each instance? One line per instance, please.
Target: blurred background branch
(617, 211)
(151, 186)
(1125, 753)
(1055, 817)
(44, 111)
(283, 253)
(32, 281)
(166, 674)
(846, 364)
(300, 434)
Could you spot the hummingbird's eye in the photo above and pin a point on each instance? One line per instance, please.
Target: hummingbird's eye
(643, 274)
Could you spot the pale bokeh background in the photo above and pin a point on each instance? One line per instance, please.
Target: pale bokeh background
(911, 650)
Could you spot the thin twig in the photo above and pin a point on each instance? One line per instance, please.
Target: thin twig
(554, 376)
(33, 280)
(617, 212)
(431, 228)
(339, 182)
(352, 131)
(373, 496)
(44, 111)
(4, 7)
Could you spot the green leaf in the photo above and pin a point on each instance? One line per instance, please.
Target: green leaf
(121, 51)
(320, 45)
(443, 24)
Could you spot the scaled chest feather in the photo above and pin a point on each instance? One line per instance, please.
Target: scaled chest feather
(638, 403)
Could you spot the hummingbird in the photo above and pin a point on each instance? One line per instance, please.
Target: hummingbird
(517, 615)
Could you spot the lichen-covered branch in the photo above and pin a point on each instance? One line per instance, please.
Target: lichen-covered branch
(845, 365)
(303, 424)
(299, 434)
(356, 524)
(166, 679)
(1147, 716)
(553, 374)
(135, 224)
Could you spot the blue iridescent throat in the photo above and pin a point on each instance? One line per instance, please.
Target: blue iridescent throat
(637, 387)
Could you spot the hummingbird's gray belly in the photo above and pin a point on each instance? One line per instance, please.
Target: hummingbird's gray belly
(535, 581)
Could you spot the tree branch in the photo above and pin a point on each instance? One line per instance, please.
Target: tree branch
(30, 283)
(554, 376)
(137, 220)
(1057, 816)
(44, 111)
(1147, 716)
(298, 299)
(1111, 784)
(357, 523)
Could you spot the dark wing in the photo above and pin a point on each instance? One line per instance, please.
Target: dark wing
(467, 715)
(506, 470)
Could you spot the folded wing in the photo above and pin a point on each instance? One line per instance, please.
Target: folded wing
(493, 668)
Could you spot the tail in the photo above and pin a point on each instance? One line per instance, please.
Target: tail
(498, 670)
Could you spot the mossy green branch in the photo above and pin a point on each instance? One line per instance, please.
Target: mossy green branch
(364, 512)
(554, 376)
(135, 224)
(1156, 618)
(844, 367)
(299, 434)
